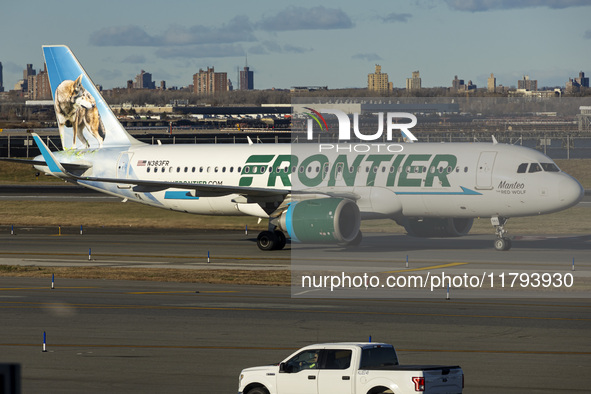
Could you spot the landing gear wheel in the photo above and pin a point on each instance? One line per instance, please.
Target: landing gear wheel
(266, 240)
(281, 240)
(503, 244)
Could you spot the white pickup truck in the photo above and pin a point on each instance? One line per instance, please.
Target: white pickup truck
(349, 368)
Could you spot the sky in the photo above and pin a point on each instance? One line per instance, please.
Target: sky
(286, 44)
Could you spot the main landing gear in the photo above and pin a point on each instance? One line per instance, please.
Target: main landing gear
(502, 242)
(271, 240)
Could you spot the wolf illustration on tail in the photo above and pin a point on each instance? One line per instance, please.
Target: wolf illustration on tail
(80, 109)
(75, 107)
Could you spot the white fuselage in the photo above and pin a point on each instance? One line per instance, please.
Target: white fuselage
(398, 180)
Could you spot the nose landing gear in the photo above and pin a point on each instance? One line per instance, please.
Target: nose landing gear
(502, 242)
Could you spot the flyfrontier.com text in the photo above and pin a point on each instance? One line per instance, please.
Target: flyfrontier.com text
(532, 280)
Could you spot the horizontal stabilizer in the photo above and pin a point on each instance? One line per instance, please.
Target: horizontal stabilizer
(67, 166)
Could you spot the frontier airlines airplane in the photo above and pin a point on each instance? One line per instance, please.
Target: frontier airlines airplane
(316, 193)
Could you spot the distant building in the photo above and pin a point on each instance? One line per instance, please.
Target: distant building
(27, 72)
(527, 84)
(1, 79)
(144, 81)
(457, 84)
(574, 86)
(246, 79)
(413, 83)
(23, 84)
(491, 86)
(209, 82)
(378, 82)
(38, 87)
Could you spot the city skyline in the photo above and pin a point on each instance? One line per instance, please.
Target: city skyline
(334, 45)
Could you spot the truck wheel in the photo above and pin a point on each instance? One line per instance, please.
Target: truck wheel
(380, 390)
(258, 390)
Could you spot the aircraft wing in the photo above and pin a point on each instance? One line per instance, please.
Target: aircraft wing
(198, 190)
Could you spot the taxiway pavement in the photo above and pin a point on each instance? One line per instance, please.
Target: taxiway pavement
(122, 336)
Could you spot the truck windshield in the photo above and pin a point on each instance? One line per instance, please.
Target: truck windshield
(378, 357)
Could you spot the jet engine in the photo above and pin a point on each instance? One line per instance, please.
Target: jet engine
(438, 227)
(322, 220)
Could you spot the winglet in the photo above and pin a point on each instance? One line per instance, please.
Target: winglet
(54, 166)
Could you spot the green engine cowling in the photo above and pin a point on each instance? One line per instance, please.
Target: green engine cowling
(322, 220)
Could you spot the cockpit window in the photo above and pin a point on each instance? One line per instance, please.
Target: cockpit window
(522, 168)
(550, 167)
(535, 167)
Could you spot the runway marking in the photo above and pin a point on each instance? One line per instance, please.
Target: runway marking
(45, 288)
(16, 304)
(97, 255)
(426, 268)
(182, 291)
(306, 292)
(210, 347)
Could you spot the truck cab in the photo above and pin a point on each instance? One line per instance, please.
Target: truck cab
(349, 368)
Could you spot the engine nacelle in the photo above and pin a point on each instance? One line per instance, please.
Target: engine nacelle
(322, 220)
(438, 227)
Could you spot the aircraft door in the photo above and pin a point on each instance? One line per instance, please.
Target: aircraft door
(484, 170)
(123, 165)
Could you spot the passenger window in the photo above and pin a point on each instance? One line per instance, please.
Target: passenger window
(148, 169)
(522, 168)
(178, 169)
(535, 167)
(337, 359)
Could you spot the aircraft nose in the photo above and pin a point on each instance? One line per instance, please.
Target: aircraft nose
(570, 191)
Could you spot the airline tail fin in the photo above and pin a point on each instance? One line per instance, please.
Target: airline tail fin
(84, 118)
